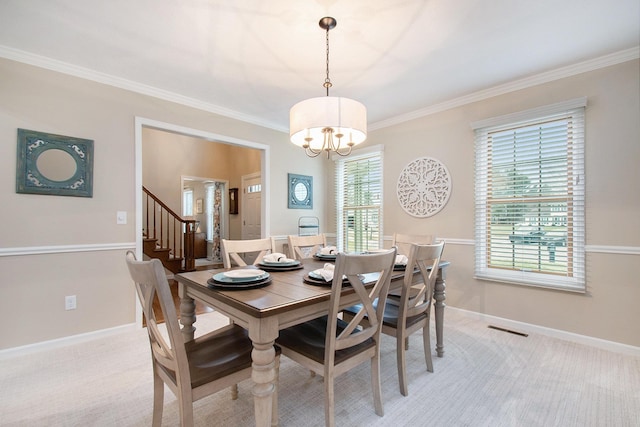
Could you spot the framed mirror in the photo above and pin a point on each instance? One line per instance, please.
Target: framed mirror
(54, 164)
(300, 193)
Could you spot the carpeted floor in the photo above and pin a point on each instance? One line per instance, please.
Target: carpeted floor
(486, 378)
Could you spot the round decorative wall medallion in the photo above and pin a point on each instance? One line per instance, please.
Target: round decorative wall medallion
(424, 186)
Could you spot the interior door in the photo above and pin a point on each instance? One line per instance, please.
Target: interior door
(251, 206)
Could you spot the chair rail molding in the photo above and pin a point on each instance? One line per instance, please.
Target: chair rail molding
(58, 249)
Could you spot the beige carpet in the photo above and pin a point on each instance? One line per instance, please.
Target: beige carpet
(486, 378)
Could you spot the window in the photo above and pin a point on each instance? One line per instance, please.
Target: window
(187, 202)
(530, 197)
(359, 201)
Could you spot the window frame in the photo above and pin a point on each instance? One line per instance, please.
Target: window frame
(342, 225)
(575, 277)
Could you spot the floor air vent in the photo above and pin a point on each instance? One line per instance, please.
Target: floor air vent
(522, 334)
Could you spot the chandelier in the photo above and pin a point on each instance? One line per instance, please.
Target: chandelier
(328, 123)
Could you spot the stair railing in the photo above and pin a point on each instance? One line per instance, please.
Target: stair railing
(170, 229)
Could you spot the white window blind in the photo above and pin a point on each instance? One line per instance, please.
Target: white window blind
(359, 202)
(530, 198)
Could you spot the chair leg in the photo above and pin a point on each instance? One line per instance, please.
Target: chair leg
(376, 384)
(274, 408)
(426, 339)
(329, 402)
(158, 399)
(401, 362)
(234, 392)
(186, 408)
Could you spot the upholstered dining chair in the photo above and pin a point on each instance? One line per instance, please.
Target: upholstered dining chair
(301, 247)
(232, 250)
(412, 312)
(330, 346)
(194, 369)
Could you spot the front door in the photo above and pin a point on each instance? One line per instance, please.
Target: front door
(252, 206)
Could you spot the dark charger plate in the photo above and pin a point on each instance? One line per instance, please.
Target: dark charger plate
(237, 286)
(273, 267)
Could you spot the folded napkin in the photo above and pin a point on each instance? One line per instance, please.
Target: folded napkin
(326, 272)
(328, 250)
(401, 260)
(276, 257)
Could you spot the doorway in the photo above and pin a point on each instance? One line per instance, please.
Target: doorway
(154, 157)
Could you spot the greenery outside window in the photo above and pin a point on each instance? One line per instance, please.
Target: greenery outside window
(530, 197)
(359, 200)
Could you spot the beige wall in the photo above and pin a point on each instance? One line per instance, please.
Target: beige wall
(609, 308)
(34, 284)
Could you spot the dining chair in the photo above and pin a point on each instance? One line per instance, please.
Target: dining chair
(412, 311)
(330, 346)
(193, 369)
(234, 250)
(301, 247)
(404, 241)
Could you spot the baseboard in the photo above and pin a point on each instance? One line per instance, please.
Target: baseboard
(555, 333)
(65, 341)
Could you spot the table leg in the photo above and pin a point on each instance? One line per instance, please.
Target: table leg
(187, 314)
(263, 333)
(439, 296)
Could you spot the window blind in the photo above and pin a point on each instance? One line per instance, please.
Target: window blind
(358, 183)
(530, 200)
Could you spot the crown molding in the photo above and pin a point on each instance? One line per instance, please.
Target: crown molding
(99, 77)
(549, 76)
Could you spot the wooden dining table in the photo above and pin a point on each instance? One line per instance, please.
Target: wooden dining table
(264, 311)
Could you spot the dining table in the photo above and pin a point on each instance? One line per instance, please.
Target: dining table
(288, 298)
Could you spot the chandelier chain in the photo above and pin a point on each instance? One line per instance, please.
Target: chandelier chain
(327, 80)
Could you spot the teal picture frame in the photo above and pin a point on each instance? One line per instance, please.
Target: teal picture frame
(300, 191)
(55, 165)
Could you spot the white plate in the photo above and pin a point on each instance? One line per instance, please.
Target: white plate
(289, 263)
(243, 274)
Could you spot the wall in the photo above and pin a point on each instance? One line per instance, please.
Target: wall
(53, 246)
(608, 310)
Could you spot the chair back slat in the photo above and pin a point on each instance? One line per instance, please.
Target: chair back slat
(302, 247)
(232, 250)
(404, 241)
(150, 281)
(417, 295)
(355, 267)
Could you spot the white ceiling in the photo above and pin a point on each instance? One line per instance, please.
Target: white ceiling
(254, 59)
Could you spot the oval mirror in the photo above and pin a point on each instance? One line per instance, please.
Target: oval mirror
(56, 165)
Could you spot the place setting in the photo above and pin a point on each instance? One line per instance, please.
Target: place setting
(322, 276)
(279, 262)
(328, 253)
(244, 278)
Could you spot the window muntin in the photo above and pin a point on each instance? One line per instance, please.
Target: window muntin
(530, 201)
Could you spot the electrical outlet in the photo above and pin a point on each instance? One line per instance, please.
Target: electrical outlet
(70, 302)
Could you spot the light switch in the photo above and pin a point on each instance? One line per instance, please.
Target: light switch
(121, 217)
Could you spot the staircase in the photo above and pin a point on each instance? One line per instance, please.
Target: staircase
(166, 235)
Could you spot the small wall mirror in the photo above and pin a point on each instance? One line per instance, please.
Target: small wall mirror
(54, 164)
(300, 191)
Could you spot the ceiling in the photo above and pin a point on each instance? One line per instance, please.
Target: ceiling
(254, 59)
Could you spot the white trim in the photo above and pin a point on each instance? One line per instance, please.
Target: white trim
(519, 116)
(65, 341)
(360, 152)
(550, 332)
(624, 250)
(549, 76)
(100, 77)
(59, 249)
